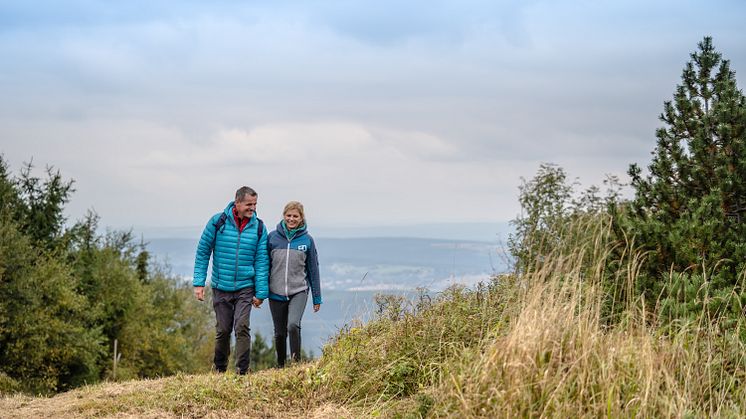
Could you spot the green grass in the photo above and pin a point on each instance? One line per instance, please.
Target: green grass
(539, 345)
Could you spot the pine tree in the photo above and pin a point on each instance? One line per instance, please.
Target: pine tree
(68, 293)
(41, 213)
(689, 211)
(142, 261)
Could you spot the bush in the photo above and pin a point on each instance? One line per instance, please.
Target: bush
(8, 385)
(404, 350)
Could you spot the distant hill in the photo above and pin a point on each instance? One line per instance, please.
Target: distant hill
(491, 232)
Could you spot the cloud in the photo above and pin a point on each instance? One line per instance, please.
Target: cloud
(325, 144)
(371, 113)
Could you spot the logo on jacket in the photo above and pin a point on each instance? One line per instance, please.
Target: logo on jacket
(302, 247)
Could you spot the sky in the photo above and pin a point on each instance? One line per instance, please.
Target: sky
(385, 113)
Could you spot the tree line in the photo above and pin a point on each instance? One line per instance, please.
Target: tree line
(70, 294)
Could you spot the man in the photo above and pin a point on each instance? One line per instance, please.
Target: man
(237, 240)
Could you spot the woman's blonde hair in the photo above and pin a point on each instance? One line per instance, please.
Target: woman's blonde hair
(295, 205)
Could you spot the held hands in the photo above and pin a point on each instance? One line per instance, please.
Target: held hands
(199, 292)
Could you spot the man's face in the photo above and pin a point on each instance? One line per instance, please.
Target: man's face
(246, 208)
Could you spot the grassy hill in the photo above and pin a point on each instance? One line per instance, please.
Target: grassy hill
(268, 393)
(539, 345)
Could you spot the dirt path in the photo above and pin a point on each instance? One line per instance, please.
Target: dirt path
(92, 402)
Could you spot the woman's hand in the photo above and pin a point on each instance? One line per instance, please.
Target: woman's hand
(316, 307)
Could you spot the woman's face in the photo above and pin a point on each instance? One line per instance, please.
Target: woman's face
(293, 219)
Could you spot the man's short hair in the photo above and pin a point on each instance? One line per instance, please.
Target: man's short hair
(243, 192)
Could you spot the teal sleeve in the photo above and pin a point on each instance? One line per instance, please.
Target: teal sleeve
(204, 251)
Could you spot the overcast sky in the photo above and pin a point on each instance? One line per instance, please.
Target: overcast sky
(371, 113)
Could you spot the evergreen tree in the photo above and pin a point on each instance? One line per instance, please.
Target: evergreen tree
(45, 343)
(689, 211)
(262, 354)
(143, 258)
(9, 202)
(40, 214)
(66, 295)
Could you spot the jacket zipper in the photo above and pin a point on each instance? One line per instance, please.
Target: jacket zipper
(287, 267)
(238, 246)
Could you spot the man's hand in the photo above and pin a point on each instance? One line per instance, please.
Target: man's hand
(316, 308)
(199, 292)
(257, 302)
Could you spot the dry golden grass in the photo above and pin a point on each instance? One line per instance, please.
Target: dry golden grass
(265, 394)
(560, 358)
(538, 345)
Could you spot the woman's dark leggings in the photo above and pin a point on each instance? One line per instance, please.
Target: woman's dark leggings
(286, 316)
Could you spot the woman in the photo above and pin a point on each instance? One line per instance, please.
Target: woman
(294, 268)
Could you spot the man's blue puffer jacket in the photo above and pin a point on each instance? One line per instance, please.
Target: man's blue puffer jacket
(239, 259)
